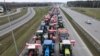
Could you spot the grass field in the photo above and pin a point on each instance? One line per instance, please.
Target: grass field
(93, 12)
(22, 34)
(4, 20)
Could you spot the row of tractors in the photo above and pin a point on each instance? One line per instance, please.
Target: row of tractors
(50, 32)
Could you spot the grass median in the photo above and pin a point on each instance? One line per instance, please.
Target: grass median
(93, 12)
(90, 46)
(22, 34)
(4, 20)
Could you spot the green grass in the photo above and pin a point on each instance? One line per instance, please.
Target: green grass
(93, 12)
(4, 20)
(22, 34)
(83, 36)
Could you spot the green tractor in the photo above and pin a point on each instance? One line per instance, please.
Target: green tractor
(65, 48)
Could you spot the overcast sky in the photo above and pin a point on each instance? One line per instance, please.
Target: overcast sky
(36, 0)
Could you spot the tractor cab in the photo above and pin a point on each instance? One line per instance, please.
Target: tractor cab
(43, 23)
(43, 27)
(66, 47)
(39, 33)
(60, 24)
(59, 17)
(48, 43)
(64, 36)
(45, 36)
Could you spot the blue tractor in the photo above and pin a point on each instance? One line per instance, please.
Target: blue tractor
(48, 47)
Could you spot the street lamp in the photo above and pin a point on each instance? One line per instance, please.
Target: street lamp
(12, 33)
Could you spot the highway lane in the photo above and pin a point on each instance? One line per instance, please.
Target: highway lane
(80, 48)
(9, 14)
(17, 23)
(93, 29)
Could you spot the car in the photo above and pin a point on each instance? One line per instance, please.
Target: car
(88, 22)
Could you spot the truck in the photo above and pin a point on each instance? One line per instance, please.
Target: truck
(48, 47)
(65, 48)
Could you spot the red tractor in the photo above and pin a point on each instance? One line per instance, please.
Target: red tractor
(33, 49)
(63, 34)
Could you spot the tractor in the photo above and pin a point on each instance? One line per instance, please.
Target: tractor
(33, 49)
(59, 17)
(48, 47)
(43, 27)
(60, 24)
(39, 34)
(63, 34)
(65, 48)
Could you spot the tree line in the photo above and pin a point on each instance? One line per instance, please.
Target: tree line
(94, 4)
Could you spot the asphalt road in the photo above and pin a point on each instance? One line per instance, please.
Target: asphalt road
(17, 23)
(80, 48)
(93, 29)
(9, 13)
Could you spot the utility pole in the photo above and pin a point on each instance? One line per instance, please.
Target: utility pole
(12, 33)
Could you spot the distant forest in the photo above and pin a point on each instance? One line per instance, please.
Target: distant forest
(10, 5)
(93, 4)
